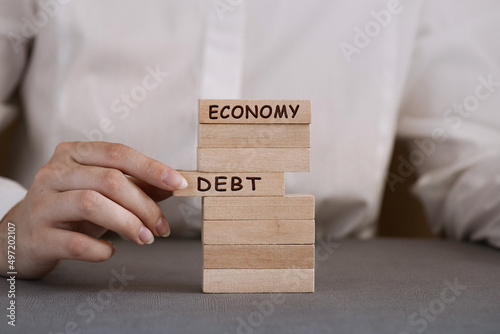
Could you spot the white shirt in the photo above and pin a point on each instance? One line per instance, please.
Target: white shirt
(133, 71)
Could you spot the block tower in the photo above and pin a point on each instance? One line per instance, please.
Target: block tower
(256, 239)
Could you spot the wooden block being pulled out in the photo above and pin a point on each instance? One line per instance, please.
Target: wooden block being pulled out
(253, 159)
(254, 135)
(258, 256)
(232, 184)
(255, 111)
(295, 207)
(254, 232)
(258, 280)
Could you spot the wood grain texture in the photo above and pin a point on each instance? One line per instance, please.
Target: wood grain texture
(254, 135)
(296, 207)
(248, 232)
(255, 111)
(253, 159)
(258, 280)
(258, 257)
(232, 184)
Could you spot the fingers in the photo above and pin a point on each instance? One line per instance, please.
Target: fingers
(89, 228)
(156, 194)
(116, 186)
(127, 160)
(78, 205)
(77, 246)
(90, 187)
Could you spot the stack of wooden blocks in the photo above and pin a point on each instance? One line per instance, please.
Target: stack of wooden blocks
(256, 238)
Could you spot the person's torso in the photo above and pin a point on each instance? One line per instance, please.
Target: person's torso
(133, 71)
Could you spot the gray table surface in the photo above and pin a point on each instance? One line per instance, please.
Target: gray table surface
(378, 286)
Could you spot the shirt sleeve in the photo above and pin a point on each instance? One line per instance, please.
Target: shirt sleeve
(451, 116)
(16, 36)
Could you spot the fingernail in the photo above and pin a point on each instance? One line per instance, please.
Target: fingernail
(113, 248)
(146, 236)
(162, 227)
(173, 179)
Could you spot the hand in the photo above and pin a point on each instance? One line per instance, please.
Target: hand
(84, 190)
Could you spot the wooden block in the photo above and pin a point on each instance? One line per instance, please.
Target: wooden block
(254, 135)
(232, 184)
(255, 111)
(258, 280)
(253, 159)
(258, 256)
(297, 207)
(241, 232)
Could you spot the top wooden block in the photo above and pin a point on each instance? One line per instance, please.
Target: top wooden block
(255, 111)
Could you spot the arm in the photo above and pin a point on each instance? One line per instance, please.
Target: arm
(451, 116)
(13, 54)
(84, 190)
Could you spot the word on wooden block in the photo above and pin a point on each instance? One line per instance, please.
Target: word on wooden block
(255, 111)
(240, 232)
(298, 207)
(258, 257)
(232, 184)
(258, 280)
(256, 239)
(253, 159)
(254, 135)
